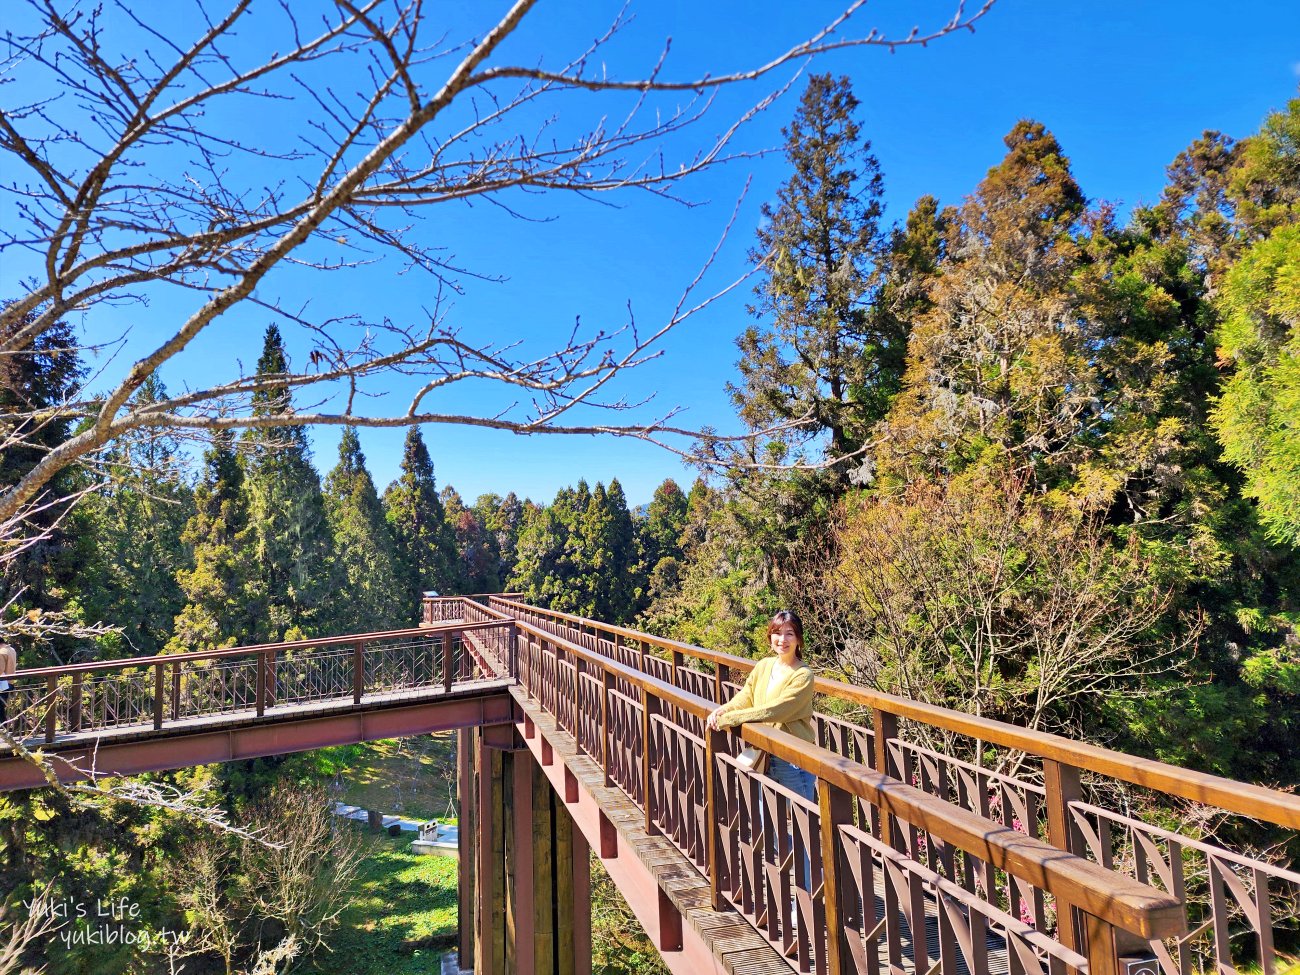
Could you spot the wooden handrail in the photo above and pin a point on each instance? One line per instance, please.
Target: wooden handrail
(327, 641)
(1255, 801)
(1112, 897)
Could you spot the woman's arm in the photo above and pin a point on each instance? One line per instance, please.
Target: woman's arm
(796, 701)
(744, 698)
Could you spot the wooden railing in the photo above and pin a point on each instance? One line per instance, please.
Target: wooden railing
(847, 863)
(159, 692)
(1045, 787)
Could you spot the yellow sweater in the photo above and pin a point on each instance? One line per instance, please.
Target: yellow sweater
(789, 706)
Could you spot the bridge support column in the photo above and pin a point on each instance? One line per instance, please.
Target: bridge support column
(525, 879)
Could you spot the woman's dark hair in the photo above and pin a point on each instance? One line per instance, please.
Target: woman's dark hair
(782, 617)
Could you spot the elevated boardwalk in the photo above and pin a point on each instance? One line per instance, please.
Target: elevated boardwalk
(580, 738)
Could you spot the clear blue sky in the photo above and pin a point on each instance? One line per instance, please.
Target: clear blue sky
(1124, 84)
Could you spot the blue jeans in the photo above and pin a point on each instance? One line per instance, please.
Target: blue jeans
(801, 783)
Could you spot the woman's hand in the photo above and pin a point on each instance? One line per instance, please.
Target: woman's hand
(711, 722)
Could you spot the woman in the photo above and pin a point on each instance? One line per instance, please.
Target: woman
(8, 667)
(778, 693)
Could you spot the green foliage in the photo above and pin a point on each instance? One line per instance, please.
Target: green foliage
(1258, 416)
(292, 551)
(425, 544)
(579, 555)
(137, 520)
(371, 597)
(222, 608)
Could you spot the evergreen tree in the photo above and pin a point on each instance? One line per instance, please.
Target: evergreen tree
(292, 549)
(826, 355)
(371, 597)
(223, 607)
(1258, 417)
(137, 519)
(659, 539)
(427, 559)
(36, 379)
(504, 518)
(480, 560)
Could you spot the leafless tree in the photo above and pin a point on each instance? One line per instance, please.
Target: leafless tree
(130, 177)
(272, 902)
(16, 936)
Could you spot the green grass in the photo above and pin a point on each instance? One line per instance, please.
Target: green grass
(402, 916)
(417, 774)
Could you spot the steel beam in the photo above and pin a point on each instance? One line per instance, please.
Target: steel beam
(255, 738)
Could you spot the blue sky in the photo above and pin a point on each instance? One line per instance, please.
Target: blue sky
(1124, 86)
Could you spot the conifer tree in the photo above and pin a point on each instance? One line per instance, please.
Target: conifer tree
(479, 559)
(823, 352)
(1257, 419)
(987, 364)
(292, 548)
(371, 597)
(659, 540)
(427, 559)
(223, 607)
(504, 518)
(37, 378)
(138, 519)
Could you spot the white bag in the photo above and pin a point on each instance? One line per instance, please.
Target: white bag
(752, 760)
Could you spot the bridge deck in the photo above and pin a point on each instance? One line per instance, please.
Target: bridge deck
(240, 734)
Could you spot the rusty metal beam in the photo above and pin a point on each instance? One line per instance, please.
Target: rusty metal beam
(255, 738)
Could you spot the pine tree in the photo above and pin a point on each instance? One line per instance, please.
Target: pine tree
(222, 608)
(826, 354)
(659, 541)
(504, 518)
(427, 559)
(371, 597)
(38, 378)
(137, 519)
(292, 550)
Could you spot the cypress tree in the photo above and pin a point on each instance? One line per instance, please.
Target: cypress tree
(825, 354)
(424, 542)
(138, 521)
(292, 551)
(365, 557)
(222, 608)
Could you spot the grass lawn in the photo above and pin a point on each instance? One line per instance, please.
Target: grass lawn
(402, 916)
(413, 777)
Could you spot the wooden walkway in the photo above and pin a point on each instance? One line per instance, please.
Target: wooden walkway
(738, 947)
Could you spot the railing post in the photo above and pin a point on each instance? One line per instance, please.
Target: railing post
(885, 725)
(1063, 786)
(447, 673)
(358, 671)
(75, 713)
(577, 701)
(52, 696)
(717, 855)
(157, 696)
(1103, 947)
(261, 684)
(607, 686)
(512, 650)
(647, 770)
(835, 808)
(679, 662)
(721, 675)
(270, 678)
(176, 690)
